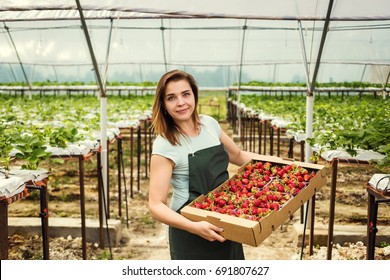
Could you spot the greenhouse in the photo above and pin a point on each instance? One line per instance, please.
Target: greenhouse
(298, 81)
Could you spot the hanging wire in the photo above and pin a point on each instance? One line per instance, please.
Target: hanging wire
(106, 63)
(240, 73)
(96, 26)
(322, 43)
(17, 55)
(162, 28)
(12, 72)
(304, 56)
(244, 28)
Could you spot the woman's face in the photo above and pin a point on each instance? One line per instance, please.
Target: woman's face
(179, 100)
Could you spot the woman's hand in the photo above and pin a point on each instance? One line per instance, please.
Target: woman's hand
(208, 231)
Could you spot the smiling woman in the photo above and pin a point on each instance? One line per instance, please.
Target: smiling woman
(191, 153)
(179, 101)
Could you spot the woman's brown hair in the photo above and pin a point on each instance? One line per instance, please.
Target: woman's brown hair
(162, 122)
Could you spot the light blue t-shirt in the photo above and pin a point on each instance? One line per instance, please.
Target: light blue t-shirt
(210, 132)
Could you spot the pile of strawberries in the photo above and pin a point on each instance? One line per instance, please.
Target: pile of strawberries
(261, 188)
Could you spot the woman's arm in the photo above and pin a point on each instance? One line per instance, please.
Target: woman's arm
(238, 156)
(160, 176)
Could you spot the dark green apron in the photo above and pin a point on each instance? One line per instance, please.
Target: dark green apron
(207, 170)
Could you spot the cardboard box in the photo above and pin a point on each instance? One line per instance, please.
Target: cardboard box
(255, 232)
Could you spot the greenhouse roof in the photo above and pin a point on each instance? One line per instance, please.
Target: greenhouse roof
(12, 10)
(220, 42)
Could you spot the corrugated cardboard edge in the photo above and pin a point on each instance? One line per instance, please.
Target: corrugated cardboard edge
(235, 229)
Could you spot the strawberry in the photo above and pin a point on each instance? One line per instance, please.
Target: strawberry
(259, 165)
(295, 191)
(249, 167)
(254, 210)
(197, 205)
(275, 206)
(306, 177)
(249, 187)
(245, 205)
(260, 184)
(233, 188)
(205, 205)
(267, 165)
(245, 181)
(280, 173)
(301, 185)
(262, 210)
(256, 203)
(258, 194)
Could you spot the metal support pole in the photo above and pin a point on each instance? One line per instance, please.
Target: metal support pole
(119, 162)
(100, 199)
(4, 230)
(139, 158)
(332, 209)
(103, 99)
(131, 163)
(82, 207)
(44, 215)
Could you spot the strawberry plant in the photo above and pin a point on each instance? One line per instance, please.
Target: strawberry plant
(350, 124)
(31, 149)
(5, 149)
(61, 136)
(384, 164)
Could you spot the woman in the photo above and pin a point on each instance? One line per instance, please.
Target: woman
(191, 153)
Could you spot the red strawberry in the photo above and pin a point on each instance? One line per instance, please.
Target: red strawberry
(197, 205)
(306, 177)
(205, 205)
(275, 206)
(301, 185)
(249, 167)
(254, 210)
(258, 194)
(256, 202)
(295, 191)
(260, 184)
(259, 164)
(262, 210)
(233, 188)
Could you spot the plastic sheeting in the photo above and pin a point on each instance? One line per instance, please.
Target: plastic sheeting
(11, 186)
(17, 180)
(380, 182)
(203, 37)
(249, 9)
(362, 155)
